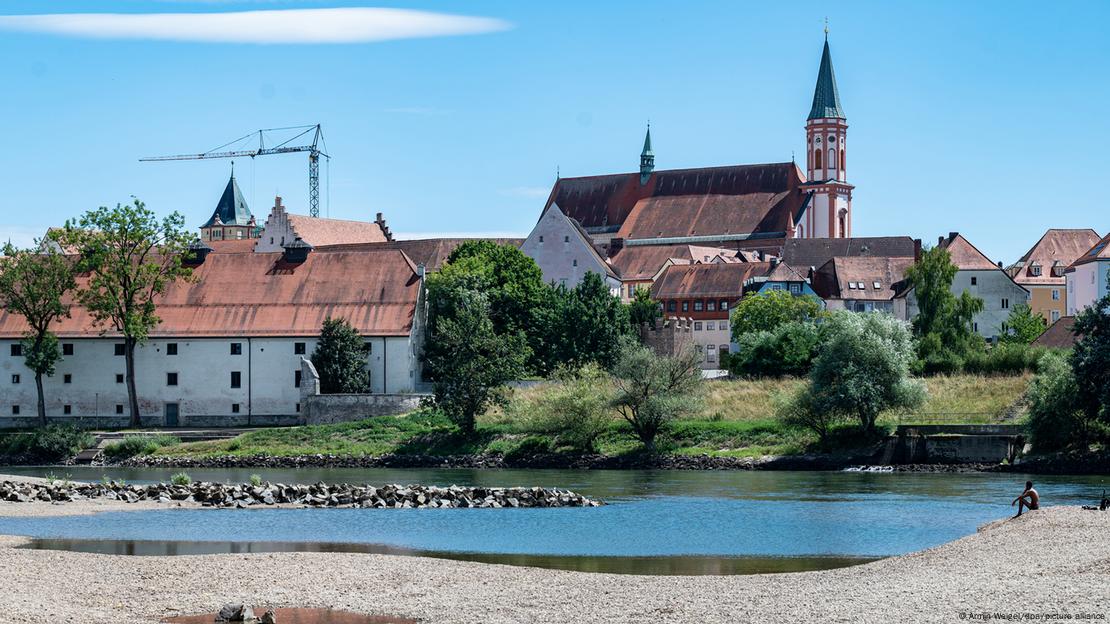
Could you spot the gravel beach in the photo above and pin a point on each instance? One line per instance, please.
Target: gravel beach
(1047, 563)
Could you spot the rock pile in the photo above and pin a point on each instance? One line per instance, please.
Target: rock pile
(341, 495)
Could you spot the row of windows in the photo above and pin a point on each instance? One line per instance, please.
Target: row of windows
(68, 409)
(566, 239)
(171, 348)
(711, 351)
(711, 325)
(171, 378)
(699, 305)
(795, 289)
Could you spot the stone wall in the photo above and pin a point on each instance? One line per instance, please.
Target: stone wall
(669, 336)
(320, 409)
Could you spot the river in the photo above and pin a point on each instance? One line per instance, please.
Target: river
(656, 522)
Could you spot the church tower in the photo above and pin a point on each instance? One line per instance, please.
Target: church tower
(826, 162)
(647, 158)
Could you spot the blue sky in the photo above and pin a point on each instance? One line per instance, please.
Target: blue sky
(986, 118)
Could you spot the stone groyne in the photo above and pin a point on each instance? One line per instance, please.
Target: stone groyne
(340, 495)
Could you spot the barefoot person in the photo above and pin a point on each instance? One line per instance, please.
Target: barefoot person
(1029, 499)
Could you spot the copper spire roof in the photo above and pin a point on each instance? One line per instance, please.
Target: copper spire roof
(232, 208)
(826, 97)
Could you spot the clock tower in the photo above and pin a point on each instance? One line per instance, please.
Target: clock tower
(830, 215)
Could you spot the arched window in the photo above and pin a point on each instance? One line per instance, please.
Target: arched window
(832, 158)
(842, 164)
(817, 159)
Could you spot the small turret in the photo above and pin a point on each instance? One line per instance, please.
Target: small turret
(647, 158)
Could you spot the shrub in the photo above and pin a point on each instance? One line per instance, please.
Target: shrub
(134, 445)
(576, 409)
(49, 444)
(256, 480)
(527, 447)
(181, 478)
(1055, 418)
(768, 310)
(653, 390)
(1007, 358)
(796, 408)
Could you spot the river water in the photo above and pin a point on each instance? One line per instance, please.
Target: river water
(656, 522)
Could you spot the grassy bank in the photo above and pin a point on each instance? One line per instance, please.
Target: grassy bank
(737, 419)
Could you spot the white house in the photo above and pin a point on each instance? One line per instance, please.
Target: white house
(1087, 279)
(565, 252)
(229, 347)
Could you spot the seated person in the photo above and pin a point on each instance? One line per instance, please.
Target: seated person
(1029, 499)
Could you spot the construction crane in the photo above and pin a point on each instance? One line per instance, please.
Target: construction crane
(284, 147)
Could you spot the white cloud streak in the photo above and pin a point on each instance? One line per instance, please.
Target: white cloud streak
(292, 26)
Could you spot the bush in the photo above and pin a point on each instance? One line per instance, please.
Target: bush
(653, 390)
(788, 350)
(1055, 418)
(796, 408)
(256, 480)
(532, 445)
(1008, 358)
(52, 443)
(181, 478)
(576, 409)
(134, 445)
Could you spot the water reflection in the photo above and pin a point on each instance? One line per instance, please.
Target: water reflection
(675, 565)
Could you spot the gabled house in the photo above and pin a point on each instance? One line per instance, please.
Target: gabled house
(1087, 279)
(283, 228)
(863, 284)
(640, 265)
(232, 218)
(981, 277)
(782, 276)
(565, 252)
(1042, 269)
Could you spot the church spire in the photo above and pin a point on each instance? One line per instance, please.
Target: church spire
(826, 98)
(647, 158)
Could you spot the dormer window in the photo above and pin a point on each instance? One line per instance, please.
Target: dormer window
(1035, 270)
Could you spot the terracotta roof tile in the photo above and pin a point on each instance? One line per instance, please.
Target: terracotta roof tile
(642, 262)
(258, 295)
(1058, 335)
(856, 278)
(1057, 248)
(965, 255)
(319, 232)
(739, 199)
(239, 245)
(431, 252)
(706, 280)
(1099, 251)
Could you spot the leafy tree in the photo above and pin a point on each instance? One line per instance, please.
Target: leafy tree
(1055, 419)
(653, 390)
(594, 323)
(797, 409)
(472, 361)
(33, 285)
(340, 358)
(768, 310)
(1090, 362)
(131, 258)
(643, 309)
(863, 368)
(944, 322)
(1023, 326)
(787, 350)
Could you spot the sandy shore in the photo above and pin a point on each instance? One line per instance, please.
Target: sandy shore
(1054, 561)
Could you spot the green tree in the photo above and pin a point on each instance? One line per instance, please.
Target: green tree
(944, 322)
(472, 361)
(1055, 419)
(576, 409)
(1090, 362)
(594, 323)
(643, 310)
(653, 390)
(789, 349)
(796, 408)
(1022, 326)
(864, 367)
(33, 284)
(766, 311)
(340, 358)
(131, 258)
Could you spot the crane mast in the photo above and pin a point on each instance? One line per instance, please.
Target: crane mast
(314, 153)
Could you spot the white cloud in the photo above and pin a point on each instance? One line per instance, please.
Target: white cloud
(526, 191)
(292, 26)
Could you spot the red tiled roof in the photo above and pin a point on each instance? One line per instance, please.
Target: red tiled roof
(739, 199)
(431, 252)
(706, 280)
(856, 278)
(1058, 335)
(1100, 251)
(237, 245)
(318, 231)
(642, 262)
(258, 295)
(1057, 248)
(965, 255)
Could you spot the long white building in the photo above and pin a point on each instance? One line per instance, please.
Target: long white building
(229, 347)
